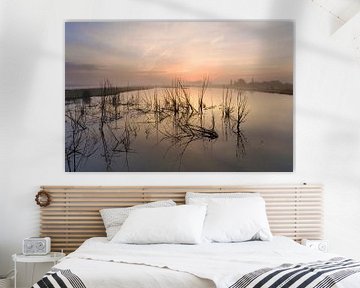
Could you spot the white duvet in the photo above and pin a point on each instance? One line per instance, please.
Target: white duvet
(100, 263)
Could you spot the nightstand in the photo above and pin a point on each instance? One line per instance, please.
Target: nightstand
(53, 257)
(320, 245)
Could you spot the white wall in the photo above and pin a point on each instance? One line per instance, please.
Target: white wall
(327, 118)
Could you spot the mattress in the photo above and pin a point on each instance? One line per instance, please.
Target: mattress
(99, 263)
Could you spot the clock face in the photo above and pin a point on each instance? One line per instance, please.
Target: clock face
(40, 245)
(323, 247)
(29, 245)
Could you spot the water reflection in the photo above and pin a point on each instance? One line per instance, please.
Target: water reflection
(80, 140)
(179, 128)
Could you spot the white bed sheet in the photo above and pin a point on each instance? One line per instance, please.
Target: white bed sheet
(101, 274)
(100, 263)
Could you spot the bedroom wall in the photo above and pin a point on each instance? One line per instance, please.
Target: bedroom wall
(327, 100)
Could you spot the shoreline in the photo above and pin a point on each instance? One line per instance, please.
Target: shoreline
(81, 93)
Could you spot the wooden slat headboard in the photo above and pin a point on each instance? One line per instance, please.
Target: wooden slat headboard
(73, 215)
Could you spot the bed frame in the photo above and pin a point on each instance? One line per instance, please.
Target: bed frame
(73, 215)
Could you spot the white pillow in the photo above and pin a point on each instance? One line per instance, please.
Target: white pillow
(236, 220)
(180, 224)
(204, 198)
(113, 218)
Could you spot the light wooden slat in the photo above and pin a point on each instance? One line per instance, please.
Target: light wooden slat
(95, 210)
(71, 226)
(96, 215)
(70, 231)
(184, 188)
(98, 198)
(280, 211)
(73, 216)
(61, 236)
(286, 218)
(81, 202)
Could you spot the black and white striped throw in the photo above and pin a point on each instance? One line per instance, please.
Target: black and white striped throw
(59, 278)
(320, 274)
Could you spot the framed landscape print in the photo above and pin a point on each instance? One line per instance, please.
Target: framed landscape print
(179, 96)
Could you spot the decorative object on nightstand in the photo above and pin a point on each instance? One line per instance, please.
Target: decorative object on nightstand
(321, 245)
(53, 257)
(36, 246)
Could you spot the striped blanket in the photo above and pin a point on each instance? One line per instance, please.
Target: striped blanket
(59, 278)
(320, 274)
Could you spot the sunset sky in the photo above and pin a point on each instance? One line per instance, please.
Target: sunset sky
(154, 53)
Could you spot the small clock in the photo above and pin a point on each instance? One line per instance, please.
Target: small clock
(320, 245)
(36, 246)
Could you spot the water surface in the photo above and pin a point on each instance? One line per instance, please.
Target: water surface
(146, 130)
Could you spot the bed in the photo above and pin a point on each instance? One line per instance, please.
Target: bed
(294, 211)
(99, 263)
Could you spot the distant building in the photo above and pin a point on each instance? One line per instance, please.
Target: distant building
(274, 86)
